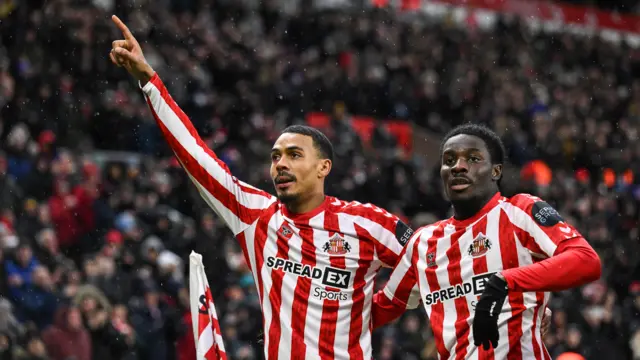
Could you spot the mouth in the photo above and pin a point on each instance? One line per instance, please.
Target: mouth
(459, 184)
(283, 183)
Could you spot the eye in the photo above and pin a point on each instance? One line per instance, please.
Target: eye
(275, 157)
(295, 156)
(449, 160)
(475, 159)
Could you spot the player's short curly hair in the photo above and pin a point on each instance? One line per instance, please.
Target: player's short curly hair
(491, 139)
(320, 140)
(494, 144)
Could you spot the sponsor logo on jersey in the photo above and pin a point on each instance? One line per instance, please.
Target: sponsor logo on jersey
(474, 287)
(480, 246)
(332, 295)
(403, 233)
(337, 245)
(544, 214)
(328, 276)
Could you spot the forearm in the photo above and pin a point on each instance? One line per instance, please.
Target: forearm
(574, 264)
(384, 310)
(237, 203)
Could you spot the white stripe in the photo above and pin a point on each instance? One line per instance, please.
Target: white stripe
(289, 282)
(421, 266)
(526, 341)
(313, 320)
(442, 274)
(205, 342)
(466, 273)
(250, 244)
(270, 249)
(343, 323)
(524, 221)
(530, 303)
(494, 264)
(380, 233)
(173, 123)
(369, 279)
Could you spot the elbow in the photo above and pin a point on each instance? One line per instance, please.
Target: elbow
(594, 266)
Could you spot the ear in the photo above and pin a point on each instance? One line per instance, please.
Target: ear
(324, 168)
(496, 172)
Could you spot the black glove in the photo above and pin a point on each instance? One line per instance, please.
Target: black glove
(485, 321)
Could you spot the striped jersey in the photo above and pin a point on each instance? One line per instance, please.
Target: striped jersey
(314, 272)
(450, 261)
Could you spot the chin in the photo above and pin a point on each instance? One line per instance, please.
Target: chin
(461, 196)
(287, 197)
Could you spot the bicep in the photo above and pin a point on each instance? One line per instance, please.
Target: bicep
(541, 227)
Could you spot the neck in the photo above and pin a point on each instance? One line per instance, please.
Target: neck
(303, 205)
(465, 209)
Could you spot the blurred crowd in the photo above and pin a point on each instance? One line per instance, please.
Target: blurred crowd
(97, 219)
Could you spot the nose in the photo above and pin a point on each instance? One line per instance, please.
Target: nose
(282, 164)
(460, 166)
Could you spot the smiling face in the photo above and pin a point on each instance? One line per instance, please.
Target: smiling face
(466, 170)
(297, 169)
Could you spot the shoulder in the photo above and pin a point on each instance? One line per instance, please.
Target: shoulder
(363, 210)
(426, 232)
(536, 208)
(523, 200)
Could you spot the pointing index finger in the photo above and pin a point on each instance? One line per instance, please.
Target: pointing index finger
(123, 28)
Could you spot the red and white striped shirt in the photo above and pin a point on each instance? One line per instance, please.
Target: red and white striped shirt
(314, 271)
(451, 260)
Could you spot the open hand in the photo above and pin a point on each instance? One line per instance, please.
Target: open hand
(128, 54)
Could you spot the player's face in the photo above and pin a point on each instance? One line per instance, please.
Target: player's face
(296, 168)
(466, 169)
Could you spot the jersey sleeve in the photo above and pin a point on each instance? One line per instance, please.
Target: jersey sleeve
(402, 287)
(388, 233)
(542, 227)
(236, 202)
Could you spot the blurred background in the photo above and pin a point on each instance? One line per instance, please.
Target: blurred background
(97, 218)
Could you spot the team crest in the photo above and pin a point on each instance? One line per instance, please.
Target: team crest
(285, 231)
(431, 259)
(336, 246)
(479, 247)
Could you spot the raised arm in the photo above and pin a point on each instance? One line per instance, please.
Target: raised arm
(236, 202)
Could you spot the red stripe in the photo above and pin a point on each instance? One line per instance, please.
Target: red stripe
(437, 309)
(364, 262)
(228, 199)
(330, 307)
(480, 267)
(462, 309)
(187, 123)
(302, 293)
(509, 253)
(534, 328)
(275, 295)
